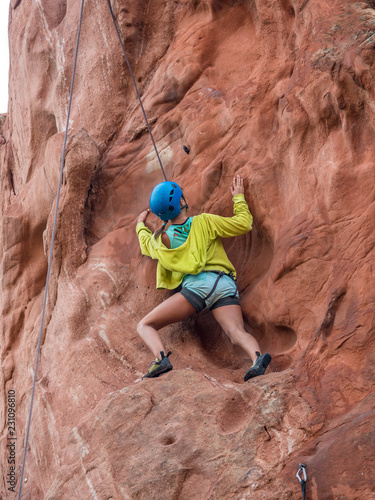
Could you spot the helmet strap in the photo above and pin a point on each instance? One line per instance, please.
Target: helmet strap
(186, 205)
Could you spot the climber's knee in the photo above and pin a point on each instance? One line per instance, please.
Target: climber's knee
(141, 325)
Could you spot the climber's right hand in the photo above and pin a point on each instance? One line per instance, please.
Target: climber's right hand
(143, 216)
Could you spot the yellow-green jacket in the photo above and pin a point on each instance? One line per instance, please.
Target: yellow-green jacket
(203, 249)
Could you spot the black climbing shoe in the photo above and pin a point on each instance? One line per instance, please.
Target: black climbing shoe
(159, 367)
(259, 367)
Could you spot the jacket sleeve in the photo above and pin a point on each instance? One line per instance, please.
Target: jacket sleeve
(224, 227)
(144, 236)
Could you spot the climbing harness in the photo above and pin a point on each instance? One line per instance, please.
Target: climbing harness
(220, 274)
(302, 469)
(51, 252)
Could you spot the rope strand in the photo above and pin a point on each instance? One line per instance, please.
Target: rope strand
(51, 253)
(136, 88)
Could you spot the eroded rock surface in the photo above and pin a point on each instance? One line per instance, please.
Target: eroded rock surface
(281, 92)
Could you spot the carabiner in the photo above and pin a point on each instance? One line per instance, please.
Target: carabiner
(302, 468)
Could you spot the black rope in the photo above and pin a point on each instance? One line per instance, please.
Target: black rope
(51, 253)
(135, 86)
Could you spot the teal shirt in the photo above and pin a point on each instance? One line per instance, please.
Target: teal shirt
(178, 233)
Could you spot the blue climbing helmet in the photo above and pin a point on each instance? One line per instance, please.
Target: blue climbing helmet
(165, 200)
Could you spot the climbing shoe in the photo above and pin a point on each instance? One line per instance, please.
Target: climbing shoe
(159, 367)
(259, 366)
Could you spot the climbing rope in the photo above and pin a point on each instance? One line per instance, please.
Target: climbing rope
(302, 468)
(136, 87)
(51, 252)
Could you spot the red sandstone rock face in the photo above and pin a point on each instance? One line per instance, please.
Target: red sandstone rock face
(281, 92)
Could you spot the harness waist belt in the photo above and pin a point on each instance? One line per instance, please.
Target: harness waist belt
(222, 273)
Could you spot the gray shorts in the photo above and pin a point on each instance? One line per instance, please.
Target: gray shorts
(195, 287)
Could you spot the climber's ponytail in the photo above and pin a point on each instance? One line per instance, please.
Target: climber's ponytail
(160, 231)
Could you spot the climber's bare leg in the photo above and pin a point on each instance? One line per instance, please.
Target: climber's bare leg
(231, 321)
(172, 310)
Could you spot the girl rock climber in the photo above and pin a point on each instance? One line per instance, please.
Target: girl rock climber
(190, 253)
